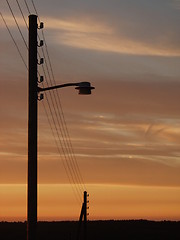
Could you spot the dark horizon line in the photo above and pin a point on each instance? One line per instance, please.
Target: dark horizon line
(100, 220)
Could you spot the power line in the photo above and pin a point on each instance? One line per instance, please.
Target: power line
(35, 9)
(57, 145)
(65, 142)
(47, 70)
(22, 14)
(64, 131)
(59, 105)
(63, 146)
(17, 24)
(27, 6)
(14, 41)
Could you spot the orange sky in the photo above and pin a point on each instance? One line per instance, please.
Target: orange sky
(125, 135)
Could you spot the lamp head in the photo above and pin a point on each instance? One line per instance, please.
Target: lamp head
(84, 88)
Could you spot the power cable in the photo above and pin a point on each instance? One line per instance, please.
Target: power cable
(22, 13)
(74, 161)
(63, 117)
(73, 167)
(57, 145)
(49, 76)
(14, 41)
(17, 24)
(64, 134)
(27, 6)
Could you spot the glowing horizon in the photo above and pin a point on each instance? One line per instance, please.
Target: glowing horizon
(130, 202)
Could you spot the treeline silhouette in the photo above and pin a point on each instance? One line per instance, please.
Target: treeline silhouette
(96, 230)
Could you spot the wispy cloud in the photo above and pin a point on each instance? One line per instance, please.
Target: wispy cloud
(100, 36)
(11, 22)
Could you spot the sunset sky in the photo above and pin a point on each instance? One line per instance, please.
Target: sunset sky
(125, 136)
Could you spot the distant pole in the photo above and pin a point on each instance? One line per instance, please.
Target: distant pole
(32, 131)
(85, 215)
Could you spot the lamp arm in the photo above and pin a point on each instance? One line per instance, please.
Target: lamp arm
(57, 86)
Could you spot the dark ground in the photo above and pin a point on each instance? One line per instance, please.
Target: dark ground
(96, 230)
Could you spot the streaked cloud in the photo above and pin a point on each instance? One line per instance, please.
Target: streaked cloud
(140, 27)
(96, 36)
(77, 26)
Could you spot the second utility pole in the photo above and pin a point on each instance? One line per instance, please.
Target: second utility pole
(32, 132)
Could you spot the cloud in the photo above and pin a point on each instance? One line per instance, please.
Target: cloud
(77, 26)
(141, 27)
(96, 36)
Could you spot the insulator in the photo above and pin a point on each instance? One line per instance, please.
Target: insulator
(41, 97)
(41, 79)
(41, 43)
(41, 61)
(41, 25)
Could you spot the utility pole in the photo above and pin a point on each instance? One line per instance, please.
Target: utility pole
(84, 88)
(32, 131)
(83, 214)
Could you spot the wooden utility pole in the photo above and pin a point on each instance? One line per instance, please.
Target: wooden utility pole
(83, 215)
(83, 87)
(32, 132)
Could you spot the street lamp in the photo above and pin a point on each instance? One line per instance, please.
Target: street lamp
(83, 87)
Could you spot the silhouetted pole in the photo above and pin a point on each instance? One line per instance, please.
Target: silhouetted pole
(80, 222)
(32, 131)
(85, 215)
(84, 89)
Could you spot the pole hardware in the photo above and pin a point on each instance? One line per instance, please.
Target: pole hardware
(41, 79)
(41, 43)
(41, 97)
(41, 61)
(41, 26)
